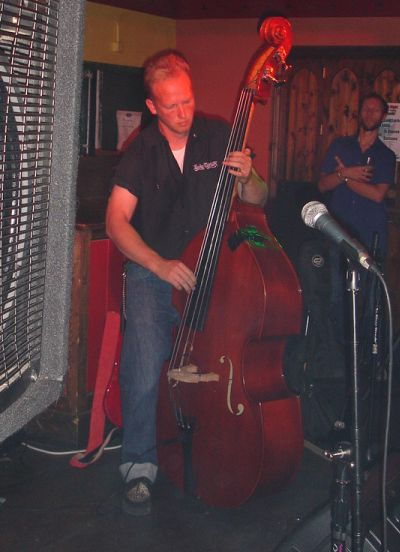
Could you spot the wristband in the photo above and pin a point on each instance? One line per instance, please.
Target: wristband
(341, 177)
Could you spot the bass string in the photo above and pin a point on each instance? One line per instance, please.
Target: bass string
(209, 252)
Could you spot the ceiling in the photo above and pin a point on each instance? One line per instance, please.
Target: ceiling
(238, 9)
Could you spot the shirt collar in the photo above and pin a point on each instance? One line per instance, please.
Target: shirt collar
(153, 136)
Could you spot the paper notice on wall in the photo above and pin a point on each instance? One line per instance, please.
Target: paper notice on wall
(390, 129)
(127, 122)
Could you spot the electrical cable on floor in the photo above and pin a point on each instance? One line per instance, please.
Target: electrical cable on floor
(63, 453)
(99, 505)
(103, 447)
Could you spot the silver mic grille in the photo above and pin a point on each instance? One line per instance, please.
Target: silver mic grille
(312, 211)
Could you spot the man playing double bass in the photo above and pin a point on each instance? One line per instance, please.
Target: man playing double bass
(161, 198)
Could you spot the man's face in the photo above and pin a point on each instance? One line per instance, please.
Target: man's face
(371, 114)
(173, 103)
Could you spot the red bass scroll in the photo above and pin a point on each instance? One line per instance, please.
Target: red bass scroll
(223, 396)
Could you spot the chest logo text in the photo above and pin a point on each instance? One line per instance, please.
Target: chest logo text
(207, 165)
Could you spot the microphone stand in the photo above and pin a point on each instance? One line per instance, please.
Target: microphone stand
(352, 286)
(341, 499)
(347, 456)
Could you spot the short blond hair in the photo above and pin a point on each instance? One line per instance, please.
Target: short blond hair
(164, 65)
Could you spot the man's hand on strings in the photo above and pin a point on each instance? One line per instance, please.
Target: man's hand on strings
(239, 164)
(177, 274)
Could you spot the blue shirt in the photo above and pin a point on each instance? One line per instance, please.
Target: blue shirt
(361, 216)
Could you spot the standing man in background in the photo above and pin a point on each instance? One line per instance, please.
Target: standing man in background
(356, 176)
(161, 198)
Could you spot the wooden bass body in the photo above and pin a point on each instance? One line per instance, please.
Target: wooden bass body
(245, 428)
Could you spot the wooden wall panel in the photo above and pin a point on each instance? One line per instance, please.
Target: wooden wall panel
(388, 86)
(343, 106)
(302, 128)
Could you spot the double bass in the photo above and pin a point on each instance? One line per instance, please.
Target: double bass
(227, 423)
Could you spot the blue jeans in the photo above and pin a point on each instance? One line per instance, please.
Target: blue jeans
(147, 341)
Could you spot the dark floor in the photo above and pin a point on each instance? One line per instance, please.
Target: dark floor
(47, 505)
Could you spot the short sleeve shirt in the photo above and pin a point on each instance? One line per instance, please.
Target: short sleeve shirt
(173, 206)
(361, 216)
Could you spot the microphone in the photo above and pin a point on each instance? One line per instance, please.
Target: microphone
(316, 215)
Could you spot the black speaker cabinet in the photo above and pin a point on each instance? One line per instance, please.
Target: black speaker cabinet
(40, 76)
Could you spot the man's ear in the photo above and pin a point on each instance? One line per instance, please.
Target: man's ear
(151, 106)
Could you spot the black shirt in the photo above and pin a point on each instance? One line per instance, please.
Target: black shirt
(173, 207)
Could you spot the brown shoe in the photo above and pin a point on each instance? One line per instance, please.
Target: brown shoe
(136, 500)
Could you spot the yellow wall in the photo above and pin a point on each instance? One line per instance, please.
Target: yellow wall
(140, 35)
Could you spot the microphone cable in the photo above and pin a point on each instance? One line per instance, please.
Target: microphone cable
(388, 412)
